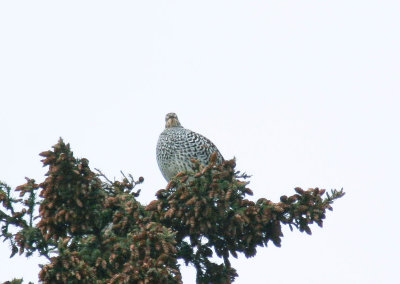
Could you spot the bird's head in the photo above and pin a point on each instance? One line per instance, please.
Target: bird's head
(171, 120)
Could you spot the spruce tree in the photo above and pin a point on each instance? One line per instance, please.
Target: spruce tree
(94, 230)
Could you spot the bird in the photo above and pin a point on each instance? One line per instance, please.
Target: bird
(177, 146)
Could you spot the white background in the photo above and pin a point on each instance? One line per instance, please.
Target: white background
(302, 93)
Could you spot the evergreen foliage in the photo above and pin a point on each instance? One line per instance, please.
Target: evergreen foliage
(94, 230)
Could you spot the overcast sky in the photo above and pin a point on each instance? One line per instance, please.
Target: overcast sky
(302, 93)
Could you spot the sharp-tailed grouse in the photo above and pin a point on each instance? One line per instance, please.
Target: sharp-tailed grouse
(176, 147)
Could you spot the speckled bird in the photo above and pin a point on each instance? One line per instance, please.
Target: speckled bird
(177, 145)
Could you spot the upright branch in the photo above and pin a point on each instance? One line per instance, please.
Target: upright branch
(208, 210)
(28, 238)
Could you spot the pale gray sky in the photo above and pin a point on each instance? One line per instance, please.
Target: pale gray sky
(302, 93)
